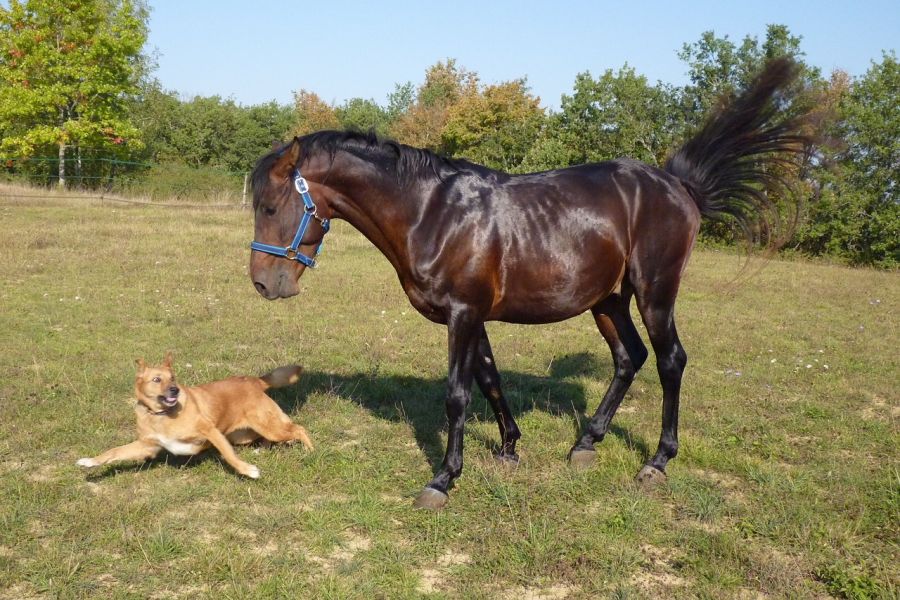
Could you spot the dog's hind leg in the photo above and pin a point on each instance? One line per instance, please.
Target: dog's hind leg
(269, 421)
(287, 432)
(137, 450)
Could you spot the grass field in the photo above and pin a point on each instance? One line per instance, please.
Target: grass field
(787, 483)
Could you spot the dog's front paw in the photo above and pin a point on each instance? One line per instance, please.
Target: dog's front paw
(252, 472)
(87, 463)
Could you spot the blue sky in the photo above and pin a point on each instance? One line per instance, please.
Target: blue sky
(259, 50)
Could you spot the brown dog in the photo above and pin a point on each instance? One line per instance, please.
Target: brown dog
(188, 420)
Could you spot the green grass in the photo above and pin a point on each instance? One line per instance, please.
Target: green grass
(787, 484)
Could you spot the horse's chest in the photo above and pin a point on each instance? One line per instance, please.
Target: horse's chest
(421, 301)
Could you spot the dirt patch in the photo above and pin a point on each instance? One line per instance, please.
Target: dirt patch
(344, 553)
(731, 486)
(879, 409)
(432, 576)
(558, 591)
(20, 591)
(270, 548)
(657, 576)
(43, 474)
(188, 591)
(777, 572)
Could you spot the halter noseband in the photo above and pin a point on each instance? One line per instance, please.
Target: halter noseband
(309, 213)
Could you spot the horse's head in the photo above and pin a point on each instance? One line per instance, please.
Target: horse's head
(279, 210)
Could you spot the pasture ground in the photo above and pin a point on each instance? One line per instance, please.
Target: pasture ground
(787, 483)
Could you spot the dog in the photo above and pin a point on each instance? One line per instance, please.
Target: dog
(187, 420)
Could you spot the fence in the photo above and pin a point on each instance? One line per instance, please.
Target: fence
(129, 181)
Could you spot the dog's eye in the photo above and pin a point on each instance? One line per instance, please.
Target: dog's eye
(156, 380)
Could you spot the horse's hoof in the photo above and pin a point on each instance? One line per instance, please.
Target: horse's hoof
(507, 460)
(431, 499)
(582, 459)
(650, 477)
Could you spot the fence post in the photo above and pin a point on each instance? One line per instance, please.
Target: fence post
(244, 193)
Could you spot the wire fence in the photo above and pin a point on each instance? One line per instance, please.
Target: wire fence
(125, 181)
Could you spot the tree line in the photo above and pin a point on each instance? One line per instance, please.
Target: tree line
(74, 83)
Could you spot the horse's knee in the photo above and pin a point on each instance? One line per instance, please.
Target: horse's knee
(457, 401)
(625, 368)
(672, 365)
(638, 357)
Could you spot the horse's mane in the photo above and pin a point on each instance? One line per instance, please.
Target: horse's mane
(409, 163)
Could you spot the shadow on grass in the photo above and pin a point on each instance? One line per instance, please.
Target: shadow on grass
(419, 401)
(164, 458)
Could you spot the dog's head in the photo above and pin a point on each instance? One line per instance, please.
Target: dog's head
(155, 387)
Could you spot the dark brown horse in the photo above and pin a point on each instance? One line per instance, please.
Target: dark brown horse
(470, 245)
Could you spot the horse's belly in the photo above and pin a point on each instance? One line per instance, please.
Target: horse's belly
(549, 296)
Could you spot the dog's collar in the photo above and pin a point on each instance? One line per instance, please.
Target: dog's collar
(159, 413)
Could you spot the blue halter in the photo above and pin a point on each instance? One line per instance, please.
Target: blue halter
(309, 213)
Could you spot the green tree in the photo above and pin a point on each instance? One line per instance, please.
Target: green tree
(619, 114)
(718, 67)
(363, 115)
(495, 126)
(857, 216)
(208, 131)
(67, 70)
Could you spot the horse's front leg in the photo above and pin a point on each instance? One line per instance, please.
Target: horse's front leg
(463, 329)
(488, 379)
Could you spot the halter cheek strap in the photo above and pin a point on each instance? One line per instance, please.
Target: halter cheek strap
(309, 213)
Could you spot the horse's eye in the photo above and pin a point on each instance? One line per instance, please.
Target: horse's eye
(269, 210)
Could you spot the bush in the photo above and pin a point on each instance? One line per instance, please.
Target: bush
(175, 181)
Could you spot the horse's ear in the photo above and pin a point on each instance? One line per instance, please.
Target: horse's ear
(286, 163)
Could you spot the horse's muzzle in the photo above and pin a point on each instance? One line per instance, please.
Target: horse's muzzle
(277, 280)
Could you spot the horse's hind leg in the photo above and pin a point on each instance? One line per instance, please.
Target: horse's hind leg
(659, 318)
(488, 380)
(629, 353)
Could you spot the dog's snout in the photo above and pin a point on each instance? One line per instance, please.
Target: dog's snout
(173, 390)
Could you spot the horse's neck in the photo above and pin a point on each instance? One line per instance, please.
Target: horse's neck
(376, 204)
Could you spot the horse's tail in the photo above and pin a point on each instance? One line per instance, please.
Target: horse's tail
(282, 377)
(741, 152)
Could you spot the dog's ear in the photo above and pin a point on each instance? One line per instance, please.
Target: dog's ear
(140, 364)
(167, 361)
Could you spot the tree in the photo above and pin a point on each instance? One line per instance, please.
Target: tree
(311, 113)
(421, 125)
(619, 114)
(363, 115)
(208, 131)
(67, 70)
(717, 67)
(720, 69)
(495, 126)
(858, 214)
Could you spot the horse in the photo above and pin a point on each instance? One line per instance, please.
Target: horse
(471, 244)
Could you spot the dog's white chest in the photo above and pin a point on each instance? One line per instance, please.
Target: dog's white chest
(178, 447)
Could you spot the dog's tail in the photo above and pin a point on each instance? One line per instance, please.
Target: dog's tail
(282, 377)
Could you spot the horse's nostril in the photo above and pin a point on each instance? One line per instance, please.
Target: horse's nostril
(260, 288)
